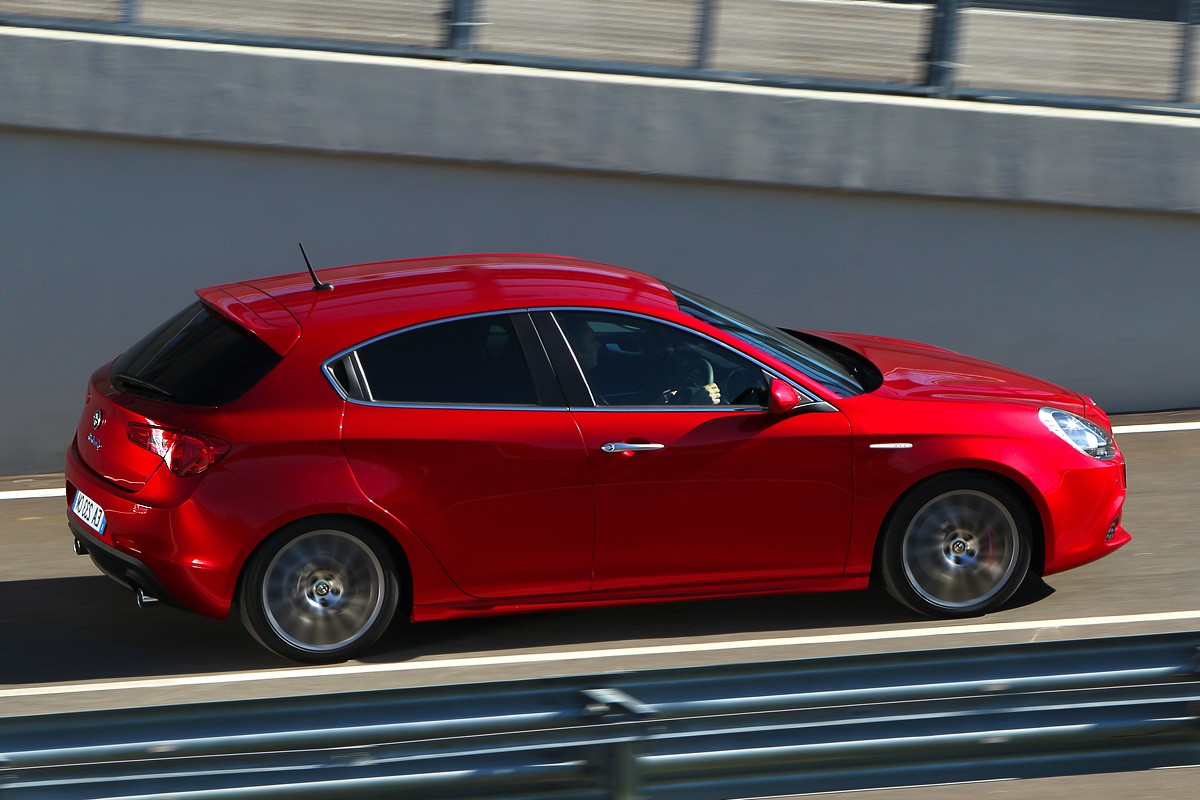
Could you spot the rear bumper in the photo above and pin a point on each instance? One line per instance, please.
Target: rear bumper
(169, 552)
(121, 567)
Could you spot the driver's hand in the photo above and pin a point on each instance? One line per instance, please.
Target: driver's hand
(714, 392)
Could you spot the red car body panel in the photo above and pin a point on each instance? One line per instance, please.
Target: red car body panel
(501, 509)
(780, 488)
(493, 495)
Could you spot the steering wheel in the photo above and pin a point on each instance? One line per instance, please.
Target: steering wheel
(698, 374)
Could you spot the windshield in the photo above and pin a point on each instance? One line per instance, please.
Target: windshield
(821, 367)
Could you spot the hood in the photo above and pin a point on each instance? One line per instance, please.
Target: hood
(923, 372)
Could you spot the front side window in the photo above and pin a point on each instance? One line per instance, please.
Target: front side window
(471, 361)
(633, 361)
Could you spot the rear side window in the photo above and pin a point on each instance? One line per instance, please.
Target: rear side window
(472, 361)
(196, 358)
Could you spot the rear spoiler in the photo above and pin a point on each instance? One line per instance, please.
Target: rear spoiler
(255, 311)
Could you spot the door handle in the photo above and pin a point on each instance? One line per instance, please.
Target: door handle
(626, 447)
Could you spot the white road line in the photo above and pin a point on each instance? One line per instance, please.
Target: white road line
(29, 494)
(1164, 427)
(583, 655)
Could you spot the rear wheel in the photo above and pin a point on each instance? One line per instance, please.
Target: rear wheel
(958, 546)
(320, 591)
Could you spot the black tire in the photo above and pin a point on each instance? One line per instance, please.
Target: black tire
(958, 546)
(319, 591)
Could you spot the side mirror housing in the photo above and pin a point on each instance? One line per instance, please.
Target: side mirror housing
(783, 398)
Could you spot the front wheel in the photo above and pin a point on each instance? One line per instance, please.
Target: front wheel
(958, 546)
(320, 591)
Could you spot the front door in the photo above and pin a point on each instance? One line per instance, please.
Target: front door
(696, 482)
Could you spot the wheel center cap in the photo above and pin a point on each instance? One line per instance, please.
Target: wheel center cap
(322, 588)
(959, 547)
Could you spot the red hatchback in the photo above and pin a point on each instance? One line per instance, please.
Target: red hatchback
(472, 435)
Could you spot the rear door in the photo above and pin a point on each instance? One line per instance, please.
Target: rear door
(459, 430)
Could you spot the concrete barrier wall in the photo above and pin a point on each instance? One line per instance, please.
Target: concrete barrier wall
(132, 172)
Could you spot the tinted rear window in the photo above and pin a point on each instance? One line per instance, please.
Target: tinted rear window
(473, 361)
(196, 358)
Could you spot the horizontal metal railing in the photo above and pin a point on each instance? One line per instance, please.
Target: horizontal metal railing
(1124, 54)
(854, 722)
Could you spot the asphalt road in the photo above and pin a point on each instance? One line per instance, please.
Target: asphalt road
(77, 641)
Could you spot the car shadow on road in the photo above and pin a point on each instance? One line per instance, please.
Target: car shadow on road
(774, 616)
(89, 628)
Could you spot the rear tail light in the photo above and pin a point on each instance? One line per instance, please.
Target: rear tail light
(185, 453)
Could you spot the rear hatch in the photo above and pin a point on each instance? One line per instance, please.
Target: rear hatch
(102, 436)
(174, 378)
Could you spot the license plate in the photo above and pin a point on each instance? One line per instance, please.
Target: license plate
(90, 512)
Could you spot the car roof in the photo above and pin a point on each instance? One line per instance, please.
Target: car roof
(368, 299)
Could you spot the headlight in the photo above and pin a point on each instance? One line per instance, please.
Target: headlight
(1086, 437)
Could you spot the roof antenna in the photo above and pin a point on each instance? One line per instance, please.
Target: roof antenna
(318, 285)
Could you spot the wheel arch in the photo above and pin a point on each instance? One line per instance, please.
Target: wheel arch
(382, 534)
(1020, 491)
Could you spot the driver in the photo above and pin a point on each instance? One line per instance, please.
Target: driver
(689, 376)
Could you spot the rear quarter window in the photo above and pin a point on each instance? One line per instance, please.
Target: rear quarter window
(196, 358)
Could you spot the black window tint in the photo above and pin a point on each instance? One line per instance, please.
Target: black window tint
(196, 358)
(344, 373)
(631, 361)
(474, 361)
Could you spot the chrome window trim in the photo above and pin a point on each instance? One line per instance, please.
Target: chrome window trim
(452, 406)
(718, 409)
(327, 367)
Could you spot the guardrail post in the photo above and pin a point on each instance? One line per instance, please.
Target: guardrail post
(1187, 16)
(620, 761)
(705, 23)
(129, 11)
(943, 43)
(460, 24)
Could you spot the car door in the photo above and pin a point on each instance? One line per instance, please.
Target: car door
(458, 429)
(696, 486)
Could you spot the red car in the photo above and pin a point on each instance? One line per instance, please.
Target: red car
(459, 436)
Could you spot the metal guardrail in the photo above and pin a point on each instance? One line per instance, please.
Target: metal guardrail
(1123, 54)
(856, 722)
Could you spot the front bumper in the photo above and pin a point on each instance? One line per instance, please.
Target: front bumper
(1083, 514)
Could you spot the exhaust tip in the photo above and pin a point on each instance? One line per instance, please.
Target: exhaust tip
(144, 600)
(80, 548)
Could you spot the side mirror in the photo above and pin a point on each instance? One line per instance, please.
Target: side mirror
(783, 398)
